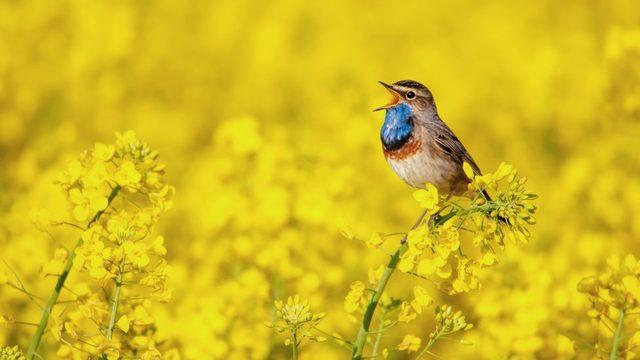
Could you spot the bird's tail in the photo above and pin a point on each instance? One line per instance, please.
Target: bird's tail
(486, 195)
(500, 218)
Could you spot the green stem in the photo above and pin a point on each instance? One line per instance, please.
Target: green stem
(432, 341)
(617, 336)
(116, 301)
(53, 298)
(376, 345)
(294, 345)
(361, 338)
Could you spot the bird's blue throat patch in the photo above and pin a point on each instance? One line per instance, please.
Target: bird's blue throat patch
(397, 127)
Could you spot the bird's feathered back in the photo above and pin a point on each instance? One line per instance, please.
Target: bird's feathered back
(448, 142)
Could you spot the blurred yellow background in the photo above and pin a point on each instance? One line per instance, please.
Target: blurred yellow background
(262, 112)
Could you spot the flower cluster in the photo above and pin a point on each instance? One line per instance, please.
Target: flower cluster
(614, 296)
(512, 205)
(436, 249)
(449, 246)
(118, 192)
(295, 318)
(128, 165)
(11, 353)
(447, 323)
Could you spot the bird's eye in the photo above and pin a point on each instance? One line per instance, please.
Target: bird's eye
(411, 95)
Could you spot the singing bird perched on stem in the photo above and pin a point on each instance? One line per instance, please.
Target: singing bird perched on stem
(418, 145)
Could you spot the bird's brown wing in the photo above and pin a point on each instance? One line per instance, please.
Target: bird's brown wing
(448, 142)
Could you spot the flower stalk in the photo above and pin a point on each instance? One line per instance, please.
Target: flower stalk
(294, 345)
(116, 301)
(617, 336)
(376, 344)
(53, 298)
(375, 297)
(432, 341)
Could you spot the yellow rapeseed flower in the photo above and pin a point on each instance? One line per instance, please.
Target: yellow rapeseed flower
(410, 343)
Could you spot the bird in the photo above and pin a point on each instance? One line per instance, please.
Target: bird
(418, 145)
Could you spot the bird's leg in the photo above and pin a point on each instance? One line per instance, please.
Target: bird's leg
(424, 213)
(431, 219)
(436, 216)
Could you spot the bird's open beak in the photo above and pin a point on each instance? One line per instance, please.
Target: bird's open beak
(395, 97)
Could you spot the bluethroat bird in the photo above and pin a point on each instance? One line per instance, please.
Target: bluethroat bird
(418, 145)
